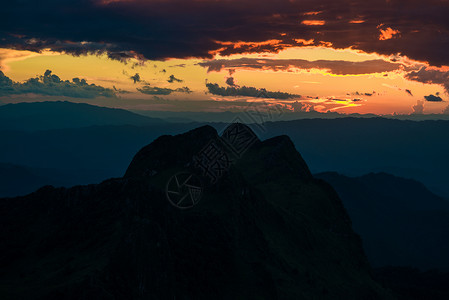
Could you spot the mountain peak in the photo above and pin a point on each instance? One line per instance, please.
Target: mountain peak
(170, 151)
(273, 157)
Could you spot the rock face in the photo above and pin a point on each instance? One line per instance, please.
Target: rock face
(263, 229)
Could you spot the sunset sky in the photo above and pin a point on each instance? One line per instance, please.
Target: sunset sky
(380, 57)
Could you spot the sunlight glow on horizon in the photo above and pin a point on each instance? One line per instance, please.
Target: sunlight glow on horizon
(109, 73)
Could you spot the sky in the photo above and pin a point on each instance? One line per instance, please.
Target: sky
(382, 56)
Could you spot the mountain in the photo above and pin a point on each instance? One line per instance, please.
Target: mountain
(228, 116)
(68, 157)
(62, 114)
(89, 148)
(349, 146)
(411, 283)
(261, 228)
(400, 221)
(356, 146)
(17, 180)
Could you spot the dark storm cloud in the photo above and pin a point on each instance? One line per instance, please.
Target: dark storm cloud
(186, 28)
(51, 85)
(246, 91)
(433, 98)
(338, 67)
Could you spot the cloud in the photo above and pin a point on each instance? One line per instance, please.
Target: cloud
(149, 90)
(446, 110)
(418, 108)
(136, 78)
(338, 67)
(51, 85)
(120, 91)
(409, 92)
(430, 75)
(363, 94)
(235, 91)
(302, 107)
(230, 81)
(178, 66)
(6, 85)
(172, 79)
(388, 34)
(156, 29)
(433, 98)
(313, 22)
(7, 56)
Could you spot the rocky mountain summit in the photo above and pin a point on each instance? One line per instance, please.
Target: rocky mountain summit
(196, 216)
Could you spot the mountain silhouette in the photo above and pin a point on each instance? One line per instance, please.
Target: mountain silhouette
(63, 114)
(18, 179)
(401, 222)
(264, 228)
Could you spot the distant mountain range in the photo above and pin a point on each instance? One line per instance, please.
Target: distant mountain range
(228, 116)
(61, 115)
(350, 146)
(265, 229)
(356, 146)
(401, 222)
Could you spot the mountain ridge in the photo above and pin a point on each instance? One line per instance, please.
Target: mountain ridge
(33, 116)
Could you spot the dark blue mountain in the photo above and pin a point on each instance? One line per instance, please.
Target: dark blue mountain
(400, 221)
(60, 115)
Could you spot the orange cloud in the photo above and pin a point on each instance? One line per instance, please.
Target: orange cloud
(305, 42)
(229, 48)
(312, 13)
(357, 21)
(387, 34)
(313, 22)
